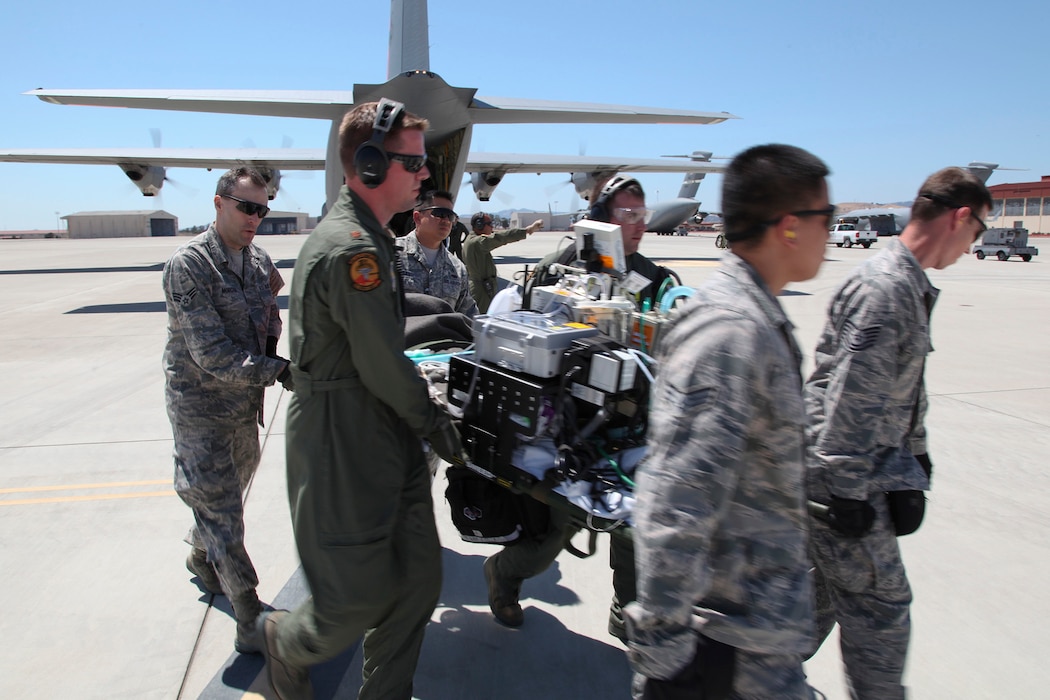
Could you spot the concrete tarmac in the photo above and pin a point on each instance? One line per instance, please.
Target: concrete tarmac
(100, 604)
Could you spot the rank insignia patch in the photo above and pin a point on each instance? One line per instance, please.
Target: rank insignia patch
(364, 272)
(858, 339)
(185, 299)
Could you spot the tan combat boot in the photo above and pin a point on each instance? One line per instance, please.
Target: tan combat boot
(197, 564)
(503, 597)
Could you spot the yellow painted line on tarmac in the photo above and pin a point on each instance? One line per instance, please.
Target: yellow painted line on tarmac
(71, 487)
(86, 497)
(104, 497)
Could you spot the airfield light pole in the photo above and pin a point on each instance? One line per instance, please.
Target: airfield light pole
(58, 224)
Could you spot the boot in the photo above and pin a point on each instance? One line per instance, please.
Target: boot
(503, 597)
(197, 564)
(617, 627)
(246, 608)
(289, 682)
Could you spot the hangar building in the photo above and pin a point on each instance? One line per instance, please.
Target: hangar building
(1021, 205)
(121, 224)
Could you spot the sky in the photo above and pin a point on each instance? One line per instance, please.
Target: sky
(886, 93)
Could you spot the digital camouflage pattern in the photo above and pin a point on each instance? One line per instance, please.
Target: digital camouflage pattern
(448, 279)
(865, 400)
(866, 406)
(215, 373)
(214, 362)
(720, 525)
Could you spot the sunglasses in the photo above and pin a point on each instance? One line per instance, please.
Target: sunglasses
(441, 213)
(249, 208)
(944, 201)
(412, 164)
(629, 215)
(827, 212)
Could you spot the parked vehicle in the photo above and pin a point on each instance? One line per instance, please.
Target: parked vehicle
(847, 235)
(1004, 242)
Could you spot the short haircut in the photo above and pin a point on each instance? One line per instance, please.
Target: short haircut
(229, 179)
(765, 183)
(427, 198)
(356, 128)
(947, 189)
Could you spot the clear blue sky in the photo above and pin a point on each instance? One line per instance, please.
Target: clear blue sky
(884, 92)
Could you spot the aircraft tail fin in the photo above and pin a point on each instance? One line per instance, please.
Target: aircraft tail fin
(690, 185)
(409, 38)
(984, 170)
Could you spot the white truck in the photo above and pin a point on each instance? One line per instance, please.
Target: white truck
(1004, 242)
(848, 235)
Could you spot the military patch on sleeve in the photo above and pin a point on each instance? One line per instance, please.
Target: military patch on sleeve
(859, 339)
(364, 272)
(186, 298)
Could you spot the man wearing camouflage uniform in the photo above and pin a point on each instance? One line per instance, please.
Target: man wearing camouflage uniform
(358, 484)
(477, 254)
(724, 605)
(866, 405)
(223, 324)
(427, 266)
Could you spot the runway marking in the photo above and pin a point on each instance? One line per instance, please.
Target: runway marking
(67, 499)
(85, 497)
(70, 487)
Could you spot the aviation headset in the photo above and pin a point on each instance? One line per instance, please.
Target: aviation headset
(370, 158)
(600, 208)
(477, 222)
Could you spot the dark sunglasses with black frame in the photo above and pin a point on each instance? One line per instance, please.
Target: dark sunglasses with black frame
(249, 208)
(412, 164)
(441, 213)
(945, 202)
(827, 212)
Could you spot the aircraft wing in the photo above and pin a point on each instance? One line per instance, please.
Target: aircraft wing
(539, 163)
(313, 159)
(279, 158)
(504, 110)
(331, 104)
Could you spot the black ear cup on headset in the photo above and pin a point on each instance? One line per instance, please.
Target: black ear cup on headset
(600, 208)
(370, 159)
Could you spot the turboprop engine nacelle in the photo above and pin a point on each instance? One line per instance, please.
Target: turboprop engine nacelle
(485, 183)
(586, 182)
(273, 180)
(148, 178)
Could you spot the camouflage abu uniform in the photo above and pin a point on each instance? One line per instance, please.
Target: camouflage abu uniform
(481, 268)
(447, 280)
(720, 524)
(358, 485)
(215, 372)
(866, 404)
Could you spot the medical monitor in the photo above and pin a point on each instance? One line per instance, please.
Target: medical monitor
(608, 241)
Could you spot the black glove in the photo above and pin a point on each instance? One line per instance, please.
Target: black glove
(926, 464)
(447, 443)
(850, 518)
(285, 377)
(271, 346)
(709, 675)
